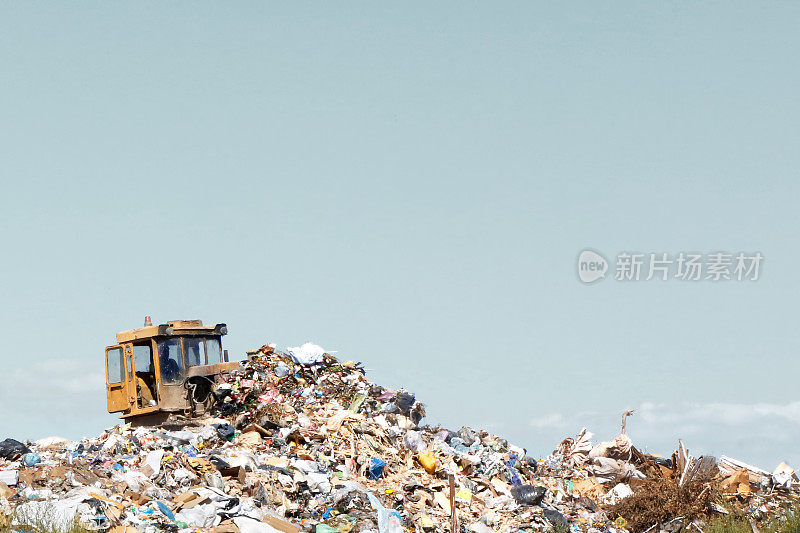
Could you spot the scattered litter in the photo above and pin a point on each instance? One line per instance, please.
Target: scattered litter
(299, 441)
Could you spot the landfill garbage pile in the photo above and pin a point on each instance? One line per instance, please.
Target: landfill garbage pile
(299, 441)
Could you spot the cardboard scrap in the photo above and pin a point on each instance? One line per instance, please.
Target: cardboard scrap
(226, 526)
(5, 491)
(442, 501)
(250, 438)
(123, 529)
(736, 483)
(200, 464)
(589, 487)
(281, 525)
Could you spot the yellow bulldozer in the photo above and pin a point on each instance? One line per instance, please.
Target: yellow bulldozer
(155, 372)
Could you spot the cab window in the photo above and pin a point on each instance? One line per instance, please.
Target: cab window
(144, 359)
(195, 350)
(170, 360)
(214, 350)
(116, 368)
(202, 351)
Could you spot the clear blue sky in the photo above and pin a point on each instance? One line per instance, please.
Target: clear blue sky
(410, 184)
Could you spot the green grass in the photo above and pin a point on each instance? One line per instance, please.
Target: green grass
(728, 524)
(558, 527)
(788, 523)
(43, 519)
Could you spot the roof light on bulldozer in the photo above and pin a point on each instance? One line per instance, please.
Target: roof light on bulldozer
(147, 321)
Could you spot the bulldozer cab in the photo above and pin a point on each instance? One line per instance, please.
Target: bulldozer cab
(154, 371)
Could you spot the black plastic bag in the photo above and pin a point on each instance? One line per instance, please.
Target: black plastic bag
(555, 518)
(221, 394)
(528, 494)
(225, 431)
(225, 408)
(12, 449)
(587, 503)
(404, 401)
(219, 462)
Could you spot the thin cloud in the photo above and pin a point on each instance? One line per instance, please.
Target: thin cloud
(688, 413)
(50, 381)
(54, 397)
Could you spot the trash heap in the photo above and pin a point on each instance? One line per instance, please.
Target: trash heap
(299, 441)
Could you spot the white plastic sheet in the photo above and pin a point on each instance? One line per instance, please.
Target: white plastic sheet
(204, 515)
(307, 354)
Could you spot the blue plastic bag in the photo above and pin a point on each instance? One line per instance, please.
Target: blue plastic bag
(164, 509)
(31, 459)
(375, 469)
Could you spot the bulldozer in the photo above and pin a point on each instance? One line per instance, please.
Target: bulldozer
(155, 373)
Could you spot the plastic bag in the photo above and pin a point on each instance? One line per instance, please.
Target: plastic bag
(619, 448)
(389, 520)
(413, 441)
(468, 436)
(11, 449)
(375, 469)
(606, 469)
(555, 518)
(428, 462)
(204, 515)
(307, 354)
(31, 459)
(404, 401)
(528, 494)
